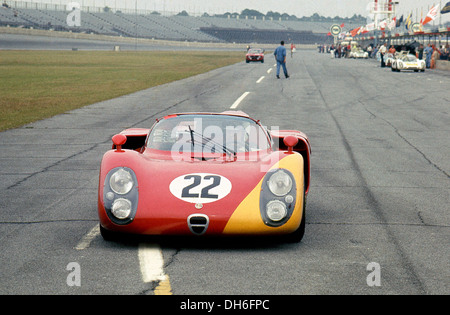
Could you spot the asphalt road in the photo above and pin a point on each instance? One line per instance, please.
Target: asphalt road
(378, 212)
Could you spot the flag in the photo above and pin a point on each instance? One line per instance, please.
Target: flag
(364, 30)
(431, 15)
(370, 27)
(342, 25)
(446, 8)
(392, 24)
(355, 31)
(399, 22)
(408, 21)
(329, 34)
(382, 25)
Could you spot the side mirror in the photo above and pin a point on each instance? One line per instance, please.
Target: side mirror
(290, 142)
(119, 140)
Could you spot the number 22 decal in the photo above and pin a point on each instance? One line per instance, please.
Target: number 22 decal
(200, 187)
(186, 192)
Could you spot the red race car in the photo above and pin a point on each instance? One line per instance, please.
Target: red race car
(205, 174)
(255, 55)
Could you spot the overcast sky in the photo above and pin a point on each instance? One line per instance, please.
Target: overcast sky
(332, 8)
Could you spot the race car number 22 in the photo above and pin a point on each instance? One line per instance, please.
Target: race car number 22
(200, 187)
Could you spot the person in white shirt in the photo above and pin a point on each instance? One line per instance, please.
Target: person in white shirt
(382, 53)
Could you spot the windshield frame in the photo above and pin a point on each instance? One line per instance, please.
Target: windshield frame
(265, 142)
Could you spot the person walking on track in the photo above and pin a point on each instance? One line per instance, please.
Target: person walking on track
(280, 57)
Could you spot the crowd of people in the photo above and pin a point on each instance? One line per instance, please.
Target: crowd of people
(430, 53)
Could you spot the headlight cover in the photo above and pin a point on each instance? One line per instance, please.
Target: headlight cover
(121, 208)
(276, 210)
(280, 183)
(278, 197)
(120, 195)
(121, 181)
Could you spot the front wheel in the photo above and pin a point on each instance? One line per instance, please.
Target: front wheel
(108, 235)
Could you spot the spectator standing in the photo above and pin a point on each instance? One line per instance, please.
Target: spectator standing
(382, 53)
(280, 57)
(420, 52)
(428, 53)
(445, 53)
(434, 57)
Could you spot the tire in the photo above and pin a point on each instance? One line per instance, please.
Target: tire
(108, 235)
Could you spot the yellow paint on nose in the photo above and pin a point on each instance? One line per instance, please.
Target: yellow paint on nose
(246, 219)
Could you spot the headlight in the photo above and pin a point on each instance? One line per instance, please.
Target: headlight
(121, 195)
(276, 210)
(280, 183)
(121, 208)
(278, 197)
(121, 182)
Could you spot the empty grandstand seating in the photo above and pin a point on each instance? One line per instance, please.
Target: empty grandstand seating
(177, 27)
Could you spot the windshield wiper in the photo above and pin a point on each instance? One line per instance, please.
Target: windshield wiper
(211, 142)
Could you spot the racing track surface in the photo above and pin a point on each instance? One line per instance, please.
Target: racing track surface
(380, 188)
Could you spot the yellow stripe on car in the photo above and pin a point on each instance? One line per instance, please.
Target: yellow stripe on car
(247, 219)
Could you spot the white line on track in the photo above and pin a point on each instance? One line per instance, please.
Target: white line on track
(269, 71)
(87, 239)
(260, 79)
(151, 262)
(239, 100)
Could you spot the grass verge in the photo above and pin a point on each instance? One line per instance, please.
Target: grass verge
(39, 84)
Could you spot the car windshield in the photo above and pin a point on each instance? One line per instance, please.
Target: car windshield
(409, 58)
(208, 134)
(255, 51)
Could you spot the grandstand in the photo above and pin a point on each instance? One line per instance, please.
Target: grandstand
(153, 25)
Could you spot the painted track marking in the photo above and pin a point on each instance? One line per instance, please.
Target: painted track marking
(151, 262)
(239, 100)
(87, 239)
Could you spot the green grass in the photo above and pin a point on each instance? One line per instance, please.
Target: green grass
(39, 84)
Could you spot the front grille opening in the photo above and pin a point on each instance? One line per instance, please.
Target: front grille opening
(198, 223)
(198, 220)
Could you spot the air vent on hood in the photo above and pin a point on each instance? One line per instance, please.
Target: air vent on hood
(198, 223)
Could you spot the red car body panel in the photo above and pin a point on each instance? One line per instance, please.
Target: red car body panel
(160, 212)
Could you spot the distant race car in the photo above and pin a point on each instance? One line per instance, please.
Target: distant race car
(255, 55)
(205, 174)
(359, 53)
(388, 59)
(407, 61)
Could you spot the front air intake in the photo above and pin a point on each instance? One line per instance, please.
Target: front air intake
(198, 223)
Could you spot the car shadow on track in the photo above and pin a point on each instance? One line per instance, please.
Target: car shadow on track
(206, 242)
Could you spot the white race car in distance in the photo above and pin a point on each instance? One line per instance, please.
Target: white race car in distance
(407, 61)
(359, 53)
